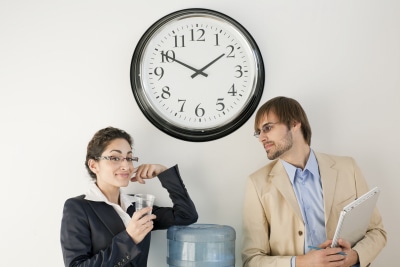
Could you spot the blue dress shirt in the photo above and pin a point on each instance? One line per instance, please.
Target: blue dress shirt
(308, 190)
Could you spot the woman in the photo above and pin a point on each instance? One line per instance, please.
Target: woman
(101, 228)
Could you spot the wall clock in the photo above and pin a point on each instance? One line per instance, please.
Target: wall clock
(197, 74)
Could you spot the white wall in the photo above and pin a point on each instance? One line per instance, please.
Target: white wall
(64, 73)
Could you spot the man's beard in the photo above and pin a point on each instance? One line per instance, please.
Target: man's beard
(281, 147)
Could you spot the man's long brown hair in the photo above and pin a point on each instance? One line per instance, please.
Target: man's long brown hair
(288, 111)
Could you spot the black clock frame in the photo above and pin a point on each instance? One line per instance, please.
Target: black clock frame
(186, 134)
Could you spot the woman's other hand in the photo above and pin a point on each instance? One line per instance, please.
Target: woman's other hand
(147, 171)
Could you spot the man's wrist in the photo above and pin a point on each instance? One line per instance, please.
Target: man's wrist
(354, 259)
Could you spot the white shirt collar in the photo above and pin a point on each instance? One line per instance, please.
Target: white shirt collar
(94, 194)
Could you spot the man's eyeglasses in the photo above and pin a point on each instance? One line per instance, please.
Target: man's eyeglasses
(266, 128)
(115, 159)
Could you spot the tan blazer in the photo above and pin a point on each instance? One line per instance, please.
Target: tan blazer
(273, 228)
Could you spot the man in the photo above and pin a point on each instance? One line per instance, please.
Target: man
(294, 202)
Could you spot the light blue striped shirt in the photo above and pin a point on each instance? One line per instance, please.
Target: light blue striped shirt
(308, 189)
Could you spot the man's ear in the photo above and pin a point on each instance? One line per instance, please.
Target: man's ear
(296, 125)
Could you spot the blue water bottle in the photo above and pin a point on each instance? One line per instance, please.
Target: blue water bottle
(201, 245)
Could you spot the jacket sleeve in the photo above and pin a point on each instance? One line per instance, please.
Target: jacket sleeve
(77, 238)
(183, 211)
(375, 239)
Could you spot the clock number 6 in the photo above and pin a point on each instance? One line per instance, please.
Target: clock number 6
(199, 111)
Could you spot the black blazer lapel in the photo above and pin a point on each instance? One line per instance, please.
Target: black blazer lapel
(108, 216)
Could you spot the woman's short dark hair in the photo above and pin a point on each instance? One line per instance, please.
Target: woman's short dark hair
(288, 111)
(100, 141)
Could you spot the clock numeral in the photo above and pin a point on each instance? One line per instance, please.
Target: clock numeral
(159, 71)
(182, 104)
(232, 91)
(165, 92)
(200, 36)
(216, 39)
(238, 71)
(199, 111)
(180, 40)
(231, 49)
(220, 104)
(168, 56)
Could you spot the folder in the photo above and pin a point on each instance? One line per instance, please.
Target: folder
(355, 217)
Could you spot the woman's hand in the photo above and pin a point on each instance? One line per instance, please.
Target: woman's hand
(147, 171)
(140, 225)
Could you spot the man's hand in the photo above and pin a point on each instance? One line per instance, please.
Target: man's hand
(325, 257)
(352, 255)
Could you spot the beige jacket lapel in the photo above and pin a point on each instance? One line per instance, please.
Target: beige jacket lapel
(280, 179)
(328, 179)
(328, 175)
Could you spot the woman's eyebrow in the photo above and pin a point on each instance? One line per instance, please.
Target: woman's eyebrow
(119, 151)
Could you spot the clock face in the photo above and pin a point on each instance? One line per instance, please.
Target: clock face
(197, 74)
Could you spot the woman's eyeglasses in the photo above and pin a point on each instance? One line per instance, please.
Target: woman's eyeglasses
(115, 159)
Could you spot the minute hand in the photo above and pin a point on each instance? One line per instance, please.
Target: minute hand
(187, 66)
(197, 72)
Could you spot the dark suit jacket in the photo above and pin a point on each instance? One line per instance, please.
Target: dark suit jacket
(92, 233)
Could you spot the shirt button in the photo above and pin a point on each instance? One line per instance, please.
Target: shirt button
(300, 233)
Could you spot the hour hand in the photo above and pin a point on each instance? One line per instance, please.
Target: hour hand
(187, 66)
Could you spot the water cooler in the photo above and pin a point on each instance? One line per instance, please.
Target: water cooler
(201, 245)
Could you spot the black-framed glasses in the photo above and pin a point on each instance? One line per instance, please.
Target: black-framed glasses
(266, 128)
(115, 159)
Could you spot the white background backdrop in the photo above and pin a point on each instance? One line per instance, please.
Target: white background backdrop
(64, 74)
